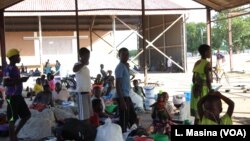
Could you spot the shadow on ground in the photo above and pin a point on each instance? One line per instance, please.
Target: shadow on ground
(241, 120)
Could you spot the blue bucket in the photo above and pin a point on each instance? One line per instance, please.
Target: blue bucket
(187, 95)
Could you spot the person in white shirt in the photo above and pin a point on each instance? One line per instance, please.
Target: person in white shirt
(181, 108)
(60, 94)
(83, 83)
(169, 63)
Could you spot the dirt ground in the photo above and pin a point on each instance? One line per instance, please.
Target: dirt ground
(179, 83)
(239, 81)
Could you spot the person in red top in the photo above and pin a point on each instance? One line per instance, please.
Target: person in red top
(16, 104)
(52, 84)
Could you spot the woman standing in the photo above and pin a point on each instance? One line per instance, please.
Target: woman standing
(201, 79)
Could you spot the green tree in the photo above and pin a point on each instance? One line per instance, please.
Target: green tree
(240, 32)
(220, 32)
(196, 35)
(132, 53)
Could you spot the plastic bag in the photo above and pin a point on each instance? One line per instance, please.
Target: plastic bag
(109, 132)
(136, 99)
(36, 128)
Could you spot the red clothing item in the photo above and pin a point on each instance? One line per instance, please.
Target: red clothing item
(52, 85)
(95, 120)
(160, 105)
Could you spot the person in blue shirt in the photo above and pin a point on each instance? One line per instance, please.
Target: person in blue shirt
(16, 106)
(127, 113)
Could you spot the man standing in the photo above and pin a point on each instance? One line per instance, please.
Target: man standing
(219, 58)
(126, 108)
(170, 64)
(83, 84)
(16, 106)
(58, 66)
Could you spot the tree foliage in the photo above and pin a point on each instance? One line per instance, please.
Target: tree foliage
(132, 53)
(240, 33)
(196, 35)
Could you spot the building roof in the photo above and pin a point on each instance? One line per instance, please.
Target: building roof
(7, 3)
(23, 16)
(220, 5)
(90, 5)
(95, 7)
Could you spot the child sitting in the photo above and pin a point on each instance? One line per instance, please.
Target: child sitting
(138, 89)
(43, 99)
(210, 107)
(181, 111)
(38, 87)
(98, 80)
(97, 95)
(168, 105)
(99, 116)
(160, 114)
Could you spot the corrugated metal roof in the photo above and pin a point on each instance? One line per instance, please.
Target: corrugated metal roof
(85, 5)
(220, 5)
(89, 5)
(6, 3)
(92, 7)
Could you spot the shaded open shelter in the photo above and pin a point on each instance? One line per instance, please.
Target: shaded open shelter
(150, 19)
(47, 17)
(220, 5)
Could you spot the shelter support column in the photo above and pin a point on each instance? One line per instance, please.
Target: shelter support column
(184, 42)
(230, 41)
(209, 30)
(114, 30)
(40, 43)
(90, 33)
(144, 44)
(90, 38)
(2, 40)
(77, 27)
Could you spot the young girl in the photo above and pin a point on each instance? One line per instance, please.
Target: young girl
(97, 91)
(161, 114)
(210, 107)
(52, 84)
(201, 79)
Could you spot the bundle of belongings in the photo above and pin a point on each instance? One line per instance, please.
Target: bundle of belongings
(74, 129)
(4, 126)
(44, 121)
